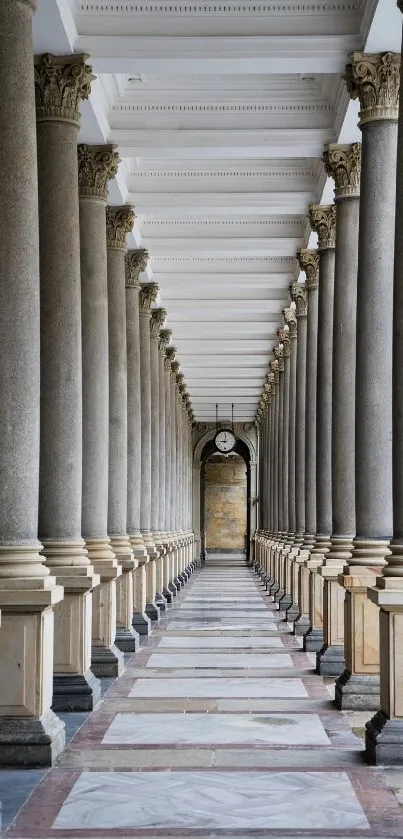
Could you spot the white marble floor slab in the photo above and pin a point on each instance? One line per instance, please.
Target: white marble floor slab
(215, 800)
(186, 642)
(210, 729)
(213, 626)
(219, 688)
(216, 660)
(205, 604)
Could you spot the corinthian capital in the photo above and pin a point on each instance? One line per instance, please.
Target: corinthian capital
(299, 295)
(148, 295)
(374, 79)
(158, 318)
(284, 338)
(164, 339)
(343, 164)
(290, 318)
(308, 260)
(279, 356)
(322, 218)
(97, 165)
(274, 369)
(119, 222)
(170, 355)
(61, 83)
(135, 263)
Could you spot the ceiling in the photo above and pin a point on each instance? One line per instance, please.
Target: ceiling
(220, 110)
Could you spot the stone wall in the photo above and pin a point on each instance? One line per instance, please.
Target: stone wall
(225, 503)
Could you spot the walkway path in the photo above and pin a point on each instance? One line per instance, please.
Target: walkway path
(218, 728)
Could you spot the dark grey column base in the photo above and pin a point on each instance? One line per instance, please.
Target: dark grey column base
(168, 595)
(183, 578)
(384, 741)
(178, 583)
(301, 625)
(160, 601)
(292, 613)
(172, 587)
(152, 611)
(141, 623)
(279, 595)
(28, 743)
(285, 603)
(357, 693)
(127, 640)
(76, 693)
(107, 661)
(313, 640)
(274, 588)
(330, 661)
(269, 583)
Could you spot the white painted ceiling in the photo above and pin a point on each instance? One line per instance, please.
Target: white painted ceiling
(219, 109)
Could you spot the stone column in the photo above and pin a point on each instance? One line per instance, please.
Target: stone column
(300, 298)
(169, 587)
(60, 85)
(148, 295)
(275, 489)
(96, 166)
(135, 264)
(171, 353)
(30, 733)
(278, 352)
(343, 163)
(285, 601)
(375, 80)
(323, 222)
(119, 222)
(158, 317)
(164, 441)
(384, 734)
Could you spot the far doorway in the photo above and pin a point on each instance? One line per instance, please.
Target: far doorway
(225, 504)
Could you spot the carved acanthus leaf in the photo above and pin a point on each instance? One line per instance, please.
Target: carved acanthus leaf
(135, 263)
(61, 83)
(279, 356)
(322, 218)
(299, 295)
(148, 295)
(157, 320)
(374, 79)
(290, 318)
(119, 222)
(164, 339)
(343, 164)
(308, 260)
(97, 165)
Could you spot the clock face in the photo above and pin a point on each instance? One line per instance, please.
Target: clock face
(224, 441)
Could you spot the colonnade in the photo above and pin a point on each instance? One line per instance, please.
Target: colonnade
(330, 423)
(96, 423)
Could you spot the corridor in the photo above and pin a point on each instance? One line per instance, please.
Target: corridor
(218, 727)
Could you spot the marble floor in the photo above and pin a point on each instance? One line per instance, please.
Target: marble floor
(217, 728)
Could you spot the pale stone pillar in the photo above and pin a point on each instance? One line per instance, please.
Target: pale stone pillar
(165, 454)
(384, 734)
(96, 166)
(285, 601)
(323, 222)
(148, 294)
(170, 353)
(158, 317)
(300, 298)
(119, 222)
(275, 488)
(63, 82)
(343, 163)
(375, 79)
(169, 588)
(289, 549)
(135, 263)
(279, 591)
(30, 733)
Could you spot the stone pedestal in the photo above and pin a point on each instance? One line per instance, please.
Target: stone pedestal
(313, 638)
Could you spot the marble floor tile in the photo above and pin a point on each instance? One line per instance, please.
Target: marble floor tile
(213, 625)
(212, 800)
(217, 660)
(186, 642)
(209, 729)
(217, 688)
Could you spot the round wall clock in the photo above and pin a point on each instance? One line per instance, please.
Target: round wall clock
(224, 440)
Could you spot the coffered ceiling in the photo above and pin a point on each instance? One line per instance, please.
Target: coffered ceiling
(220, 111)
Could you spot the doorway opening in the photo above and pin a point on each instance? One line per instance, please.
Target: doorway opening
(225, 500)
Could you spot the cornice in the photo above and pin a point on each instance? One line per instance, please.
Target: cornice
(221, 108)
(185, 8)
(289, 173)
(182, 259)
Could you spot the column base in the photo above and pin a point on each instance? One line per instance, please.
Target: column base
(168, 595)
(384, 741)
(285, 603)
(292, 613)
(152, 611)
(31, 742)
(141, 623)
(313, 640)
(301, 625)
(357, 692)
(330, 661)
(76, 693)
(127, 640)
(173, 588)
(161, 601)
(279, 595)
(107, 661)
(177, 582)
